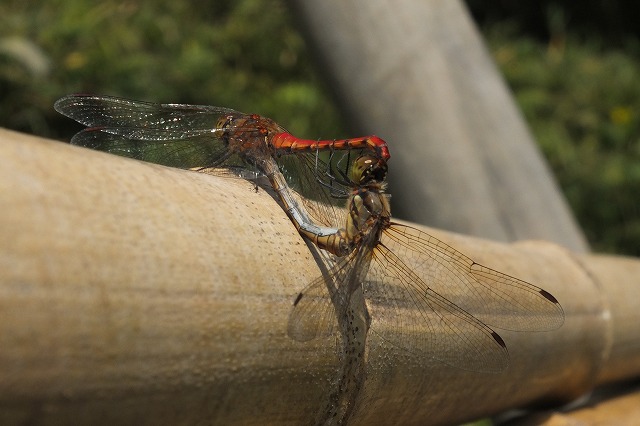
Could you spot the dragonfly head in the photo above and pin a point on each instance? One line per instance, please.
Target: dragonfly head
(368, 169)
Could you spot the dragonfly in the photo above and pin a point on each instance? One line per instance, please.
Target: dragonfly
(414, 282)
(205, 138)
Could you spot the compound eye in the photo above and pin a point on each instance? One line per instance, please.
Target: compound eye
(367, 168)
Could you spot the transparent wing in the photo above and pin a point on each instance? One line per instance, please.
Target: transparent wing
(314, 314)
(176, 135)
(175, 121)
(406, 312)
(494, 298)
(321, 195)
(196, 151)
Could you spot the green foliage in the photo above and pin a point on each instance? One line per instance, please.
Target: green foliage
(582, 103)
(581, 100)
(240, 54)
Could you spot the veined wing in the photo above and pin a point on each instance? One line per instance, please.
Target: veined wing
(314, 310)
(494, 298)
(175, 135)
(173, 121)
(313, 315)
(196, 151)
(406, 312)
(438, 329)
(323, 196)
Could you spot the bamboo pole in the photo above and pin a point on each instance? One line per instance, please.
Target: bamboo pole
(418, 74)
(131, 292)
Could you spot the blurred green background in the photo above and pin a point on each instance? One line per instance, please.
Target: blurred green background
(573, 67)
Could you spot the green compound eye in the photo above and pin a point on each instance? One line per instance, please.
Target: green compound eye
(367, 168)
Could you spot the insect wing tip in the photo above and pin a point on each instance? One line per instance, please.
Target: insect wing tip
(499, 340)
(548, 296)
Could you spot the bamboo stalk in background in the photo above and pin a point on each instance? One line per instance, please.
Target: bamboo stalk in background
(417, 74)
(135, 293)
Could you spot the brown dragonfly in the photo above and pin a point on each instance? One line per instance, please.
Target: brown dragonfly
(453, 297)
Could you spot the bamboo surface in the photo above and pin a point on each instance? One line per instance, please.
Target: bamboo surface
(136, 293)
(620, 408)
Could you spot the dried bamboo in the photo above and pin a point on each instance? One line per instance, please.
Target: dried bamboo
(131, 292)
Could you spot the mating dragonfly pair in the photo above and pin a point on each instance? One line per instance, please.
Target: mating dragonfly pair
(455, 298)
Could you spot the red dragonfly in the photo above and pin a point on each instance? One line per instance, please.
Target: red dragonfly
(188, 136)
(205, 137)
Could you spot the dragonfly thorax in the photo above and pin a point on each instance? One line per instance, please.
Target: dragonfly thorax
(248, 135)
(369, 215)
